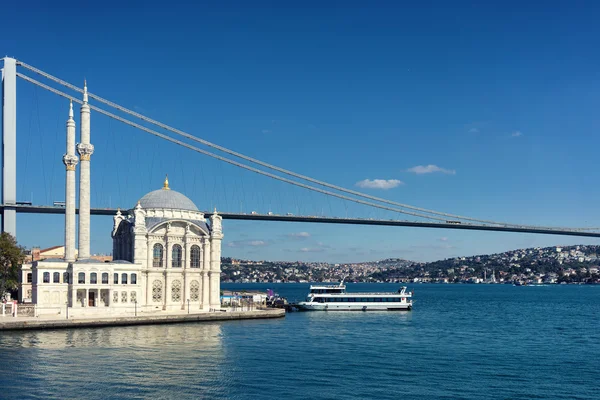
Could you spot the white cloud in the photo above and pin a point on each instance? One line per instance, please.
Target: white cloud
(443, 239)
(379, 183)
(247, 243)
(311, 249)
(320, 247)
(298, 235)
(429, 169)
(444, 246)
(516, 134)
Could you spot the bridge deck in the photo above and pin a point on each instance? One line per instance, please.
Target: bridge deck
(327, 220)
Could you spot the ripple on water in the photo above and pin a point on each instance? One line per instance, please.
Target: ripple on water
(461, 341)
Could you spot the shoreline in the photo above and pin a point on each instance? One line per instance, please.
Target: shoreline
(32, 323)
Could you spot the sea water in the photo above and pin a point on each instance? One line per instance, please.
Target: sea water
(460, 341)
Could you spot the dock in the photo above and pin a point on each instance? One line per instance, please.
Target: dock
(27, 323)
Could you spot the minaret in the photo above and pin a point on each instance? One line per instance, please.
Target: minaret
(70, 160)
(85, 150)
(216, 236)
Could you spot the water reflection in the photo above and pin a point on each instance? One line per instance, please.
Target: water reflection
(153, 360)
(133, 336)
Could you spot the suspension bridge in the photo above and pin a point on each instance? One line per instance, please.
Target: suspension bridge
(14, 70)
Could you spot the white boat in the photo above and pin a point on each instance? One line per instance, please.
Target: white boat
(335, 298)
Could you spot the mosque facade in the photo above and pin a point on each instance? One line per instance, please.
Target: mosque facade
(166, 253)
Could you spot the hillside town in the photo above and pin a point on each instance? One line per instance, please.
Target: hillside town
(549, 265)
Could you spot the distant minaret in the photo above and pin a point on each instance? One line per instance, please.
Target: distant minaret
(85, 150)
(70, 160)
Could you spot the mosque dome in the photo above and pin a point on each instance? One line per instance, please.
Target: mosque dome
(167, 198)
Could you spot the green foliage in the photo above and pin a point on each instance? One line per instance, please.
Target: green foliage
(11, 257)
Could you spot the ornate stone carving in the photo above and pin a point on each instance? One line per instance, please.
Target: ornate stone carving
(216, 225)
(194, 290)
(176, 291)
(85, 151)
(70, 161)
(117, 219)
(157, 291)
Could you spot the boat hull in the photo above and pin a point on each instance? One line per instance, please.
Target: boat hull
(305, 306)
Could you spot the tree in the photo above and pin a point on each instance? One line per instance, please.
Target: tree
(11, 257)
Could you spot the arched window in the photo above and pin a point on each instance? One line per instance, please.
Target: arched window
(29, 277)
(124, 279)
(116, 279)
(158, 256)
(176, 263)
(157, 291)
(46, 277)
(105, 278)
(176, 291)
(194, 291)
(93, 278)
(195, 257)
(66, 277)
(81, 277)
(56, 277)
(134, 279)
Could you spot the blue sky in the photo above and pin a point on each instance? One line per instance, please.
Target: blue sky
(499, 99)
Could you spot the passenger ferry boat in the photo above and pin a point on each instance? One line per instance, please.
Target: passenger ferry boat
(335, 298)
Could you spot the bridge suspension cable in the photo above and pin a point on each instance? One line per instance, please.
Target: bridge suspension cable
(253, 160)
(224, 159)
(256, 161)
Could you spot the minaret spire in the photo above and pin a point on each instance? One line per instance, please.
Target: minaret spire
(85, 149)
(70, 160)
(85, 93)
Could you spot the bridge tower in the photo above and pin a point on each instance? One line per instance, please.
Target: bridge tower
(9, 145)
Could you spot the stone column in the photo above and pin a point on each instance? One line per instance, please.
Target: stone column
(70, 160)
(205, 279)
(85, 150)
(148, 289)
(186, 262)
(215, 260)
(150, 254)
(167, 255)
(167, 289)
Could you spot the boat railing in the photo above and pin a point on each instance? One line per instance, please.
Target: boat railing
(326, 286)
(350, 294)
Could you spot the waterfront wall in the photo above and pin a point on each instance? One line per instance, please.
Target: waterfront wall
(8, 323)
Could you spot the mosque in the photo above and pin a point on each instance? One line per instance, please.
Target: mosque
(166, 255)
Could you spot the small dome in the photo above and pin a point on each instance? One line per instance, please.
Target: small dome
(167, 198)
